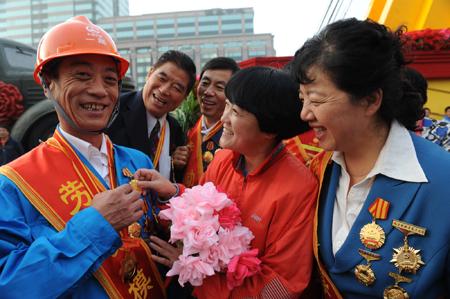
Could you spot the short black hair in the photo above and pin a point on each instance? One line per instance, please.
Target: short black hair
(272, 96)
(361, 57)
(447, 108)
(220, 63)
(183, 61)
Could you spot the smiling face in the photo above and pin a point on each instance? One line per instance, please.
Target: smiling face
(241, 132)
(338, 123)
(165, 89)
(87, 89)
(211, 93)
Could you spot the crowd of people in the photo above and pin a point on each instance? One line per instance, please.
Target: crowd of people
(364, 215)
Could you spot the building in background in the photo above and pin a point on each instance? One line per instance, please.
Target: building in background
(202, 34)
(26, 21)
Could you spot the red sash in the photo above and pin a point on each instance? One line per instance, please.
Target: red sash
(318, 166)
(302, 146)
(194, 167)
(58, 185)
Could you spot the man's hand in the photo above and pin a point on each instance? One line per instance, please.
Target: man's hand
(120, 207)
(168, 253)
(180, 156)
(153, 180)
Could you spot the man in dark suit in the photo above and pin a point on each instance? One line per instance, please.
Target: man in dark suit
(144, 122)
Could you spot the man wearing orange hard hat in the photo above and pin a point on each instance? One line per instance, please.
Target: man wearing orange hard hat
(73, 220)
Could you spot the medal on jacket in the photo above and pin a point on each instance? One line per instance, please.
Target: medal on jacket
(364, 273)
(372, 235)
(208, 156)
(395, 291)
(406, 258)
(128, 268)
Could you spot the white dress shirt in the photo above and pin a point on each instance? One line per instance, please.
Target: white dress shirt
(165, 159)
(205, 130)
(396, 160)
(97, 158)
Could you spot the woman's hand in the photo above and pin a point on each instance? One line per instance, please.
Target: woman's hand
(168, 253)
(153, 180)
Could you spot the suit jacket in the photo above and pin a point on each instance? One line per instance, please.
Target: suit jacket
(130, 127)
(422, 204)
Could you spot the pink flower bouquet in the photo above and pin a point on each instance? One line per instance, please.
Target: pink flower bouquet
(214, 240)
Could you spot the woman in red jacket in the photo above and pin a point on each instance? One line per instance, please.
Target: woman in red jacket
(274, 191)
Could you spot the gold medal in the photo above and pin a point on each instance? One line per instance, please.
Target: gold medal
(364, 273)
(372, 235)
(134, 230)
(394, 291)
(128, 269)
(407, 258)
(208, 156)
(134, 185)
(210, 145)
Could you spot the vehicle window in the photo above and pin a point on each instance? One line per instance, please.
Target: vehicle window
(18, 57)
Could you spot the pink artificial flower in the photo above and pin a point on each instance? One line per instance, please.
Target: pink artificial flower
(190, 268)
(229, 216)
(242, 266)
(208, 198)
(233, 242)
(200, 238)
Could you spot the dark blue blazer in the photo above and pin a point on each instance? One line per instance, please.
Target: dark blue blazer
(423, 204)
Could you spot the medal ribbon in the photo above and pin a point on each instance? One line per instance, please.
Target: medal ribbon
(379, 208)
(213, 130)
(160, 145)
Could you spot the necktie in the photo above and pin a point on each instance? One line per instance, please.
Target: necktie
(154, 139)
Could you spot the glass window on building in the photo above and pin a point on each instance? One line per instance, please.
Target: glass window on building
(124, 51)
(256, 53)
(124, 35)
(144, 24)
(232, 44)
(236, 54)
(143, 50)
(162, 22)
(208, 29)
(186, 22)
(208, 19)
(163, 49)
(165, 32)
(124, 26)
(231, 17)
(256, 44)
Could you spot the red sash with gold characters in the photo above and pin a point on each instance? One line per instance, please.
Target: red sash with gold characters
(194, 167)
(59, 185)
(318, 166)
(305, 150)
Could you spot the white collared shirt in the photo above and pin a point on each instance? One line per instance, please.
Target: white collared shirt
(396, 160)
(165, 159)
(205, 130)
(97, 158)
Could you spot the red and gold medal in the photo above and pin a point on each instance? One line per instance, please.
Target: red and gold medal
(372, 235)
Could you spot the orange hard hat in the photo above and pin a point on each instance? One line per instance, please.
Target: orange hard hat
(76, 36)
